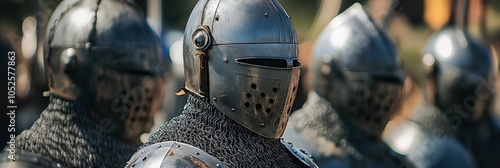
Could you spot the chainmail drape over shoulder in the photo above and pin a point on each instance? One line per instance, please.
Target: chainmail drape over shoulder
(319, 120)
(205, 127)
(66, 133)
(429, 117)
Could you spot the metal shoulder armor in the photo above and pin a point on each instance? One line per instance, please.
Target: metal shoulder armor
(26, 160)
(300, 154)
(173, 154)
(426, 149)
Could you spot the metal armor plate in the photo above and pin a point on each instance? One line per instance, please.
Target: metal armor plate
(173, 154)
(300, 154)
(425, 149)
(26, 160)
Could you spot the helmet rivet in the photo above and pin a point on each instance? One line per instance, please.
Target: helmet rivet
(262, 125)
(265, 14)
(201, 38)
(225, 60)
(88, 45)
(69, 61)
(215, 99)
(232, 109)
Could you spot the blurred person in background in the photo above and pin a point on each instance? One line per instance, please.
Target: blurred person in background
(455, 119)
(479, 131)
(105, 74)
(357, 86)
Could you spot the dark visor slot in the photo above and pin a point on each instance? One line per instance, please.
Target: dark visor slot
(264, 62)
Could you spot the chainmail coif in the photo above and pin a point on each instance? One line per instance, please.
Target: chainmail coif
(429, 117)
(205, 127)
(319, 120)
(67, 134)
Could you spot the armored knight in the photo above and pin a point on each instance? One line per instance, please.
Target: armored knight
(456, 119)
(105, 73)
(455, 73)
(357, 86)
(241, 70)
(459, 71)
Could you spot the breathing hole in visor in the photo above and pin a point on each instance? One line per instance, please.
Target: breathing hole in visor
(267, 62)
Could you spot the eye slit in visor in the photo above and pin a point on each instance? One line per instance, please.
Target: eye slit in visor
(268, 62)
(388, 79)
